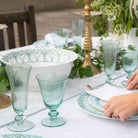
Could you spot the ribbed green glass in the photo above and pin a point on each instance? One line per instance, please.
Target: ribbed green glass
(18, 76)
(130, 62)
(77, 27)
(110, 48)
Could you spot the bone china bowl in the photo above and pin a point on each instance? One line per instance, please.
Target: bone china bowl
(41, 60)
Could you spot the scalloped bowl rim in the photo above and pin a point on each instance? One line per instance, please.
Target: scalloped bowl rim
(24, 50)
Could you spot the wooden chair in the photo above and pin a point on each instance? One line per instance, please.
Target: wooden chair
(26, 28)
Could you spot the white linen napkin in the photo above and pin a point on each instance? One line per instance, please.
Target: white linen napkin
(107, 91)
(49, 39)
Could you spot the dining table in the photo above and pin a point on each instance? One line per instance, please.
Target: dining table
(80, 122)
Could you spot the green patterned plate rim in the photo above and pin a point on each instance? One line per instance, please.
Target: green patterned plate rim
(83, 102)
(20, 136)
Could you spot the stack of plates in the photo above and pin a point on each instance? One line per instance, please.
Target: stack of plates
(95, 106)
(97, 103)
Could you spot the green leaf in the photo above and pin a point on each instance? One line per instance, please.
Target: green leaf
(77, 63)
(129, 25)
(73, 73)
(1, 69)
(85, 72)
(98, 66)
(127, 3)
(137, 32)
(3, 85)
(103, 8)
(77, 49)
(130, 47)
(83, 53)
(101, 49)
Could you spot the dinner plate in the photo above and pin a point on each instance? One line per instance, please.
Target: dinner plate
(20, 136)
(83, 102)
(97, 103)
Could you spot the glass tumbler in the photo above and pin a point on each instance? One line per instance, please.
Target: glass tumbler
(110, 48)
(52, 86)
(77, 27)
(130, 62)
(18, 76)
(60, 37)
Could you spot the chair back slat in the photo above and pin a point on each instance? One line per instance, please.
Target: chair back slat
(19, 16)
(26, 34)
(11, 38)
(31, 25)
(21, 33)
(2, 47)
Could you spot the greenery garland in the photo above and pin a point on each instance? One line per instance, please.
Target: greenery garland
(97, 60)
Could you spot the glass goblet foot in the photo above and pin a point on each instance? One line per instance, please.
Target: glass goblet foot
(124, 82)
(53, 122)
(109, 80)
(20, 125)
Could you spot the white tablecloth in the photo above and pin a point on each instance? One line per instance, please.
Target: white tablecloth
(80, 124)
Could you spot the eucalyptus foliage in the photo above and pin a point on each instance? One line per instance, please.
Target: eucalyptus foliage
(120, 12)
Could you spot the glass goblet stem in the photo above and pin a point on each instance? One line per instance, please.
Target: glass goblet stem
(20, 119)
(129, 75)
(125, 81)
(53, 114)
(109, 80)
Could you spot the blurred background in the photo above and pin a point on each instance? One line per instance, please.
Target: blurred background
(48, 13)
(40, 5)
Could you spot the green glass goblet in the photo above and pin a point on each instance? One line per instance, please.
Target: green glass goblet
(60, 37)
(77, 27)
(130, 62)
(110, 48)
(18, 76)
(52, 86)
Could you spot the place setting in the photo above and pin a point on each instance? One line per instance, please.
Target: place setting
(93, 99)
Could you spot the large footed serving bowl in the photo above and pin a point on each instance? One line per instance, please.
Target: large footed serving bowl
(41, 60)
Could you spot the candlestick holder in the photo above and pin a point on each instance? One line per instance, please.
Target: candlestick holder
(88, 40)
